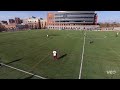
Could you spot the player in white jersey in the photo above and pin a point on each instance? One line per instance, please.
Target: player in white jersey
(117, 34)
(47, 35)
(55, 55)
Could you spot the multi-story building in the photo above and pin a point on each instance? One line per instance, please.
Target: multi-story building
(17, 20)
(11, 21)
(32, 22)
(22, 27)
(10, 26)
(72, 20)
(21, 21)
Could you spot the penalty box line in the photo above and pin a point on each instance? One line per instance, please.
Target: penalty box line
(22, 71)
(82, 57)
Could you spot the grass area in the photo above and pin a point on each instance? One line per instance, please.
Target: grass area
(32, 51)
(101, 56)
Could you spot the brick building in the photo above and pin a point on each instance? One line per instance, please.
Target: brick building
(10, 27)
(18, 20)
(11, 21)
(72, 20)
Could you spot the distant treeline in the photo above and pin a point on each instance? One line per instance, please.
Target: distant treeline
(114, 24)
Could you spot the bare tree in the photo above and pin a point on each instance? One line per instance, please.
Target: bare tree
(114, 24)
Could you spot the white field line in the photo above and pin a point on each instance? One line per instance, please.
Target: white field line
(82, 57)
(23, 71)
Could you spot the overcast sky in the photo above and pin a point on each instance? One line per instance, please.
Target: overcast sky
(103, 16)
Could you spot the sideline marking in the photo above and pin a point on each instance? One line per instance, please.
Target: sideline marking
(22, 71)
(82, 57)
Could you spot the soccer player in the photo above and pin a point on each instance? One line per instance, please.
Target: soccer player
(47, 35)
(91, 41)
(117, 34)
(55, 55)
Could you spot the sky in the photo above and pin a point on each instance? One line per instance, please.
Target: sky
(108, 16)
(103, 16)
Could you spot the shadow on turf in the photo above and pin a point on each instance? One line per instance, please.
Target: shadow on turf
(62, 56)
(14, 61)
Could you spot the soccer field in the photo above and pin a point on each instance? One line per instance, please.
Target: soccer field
(28, 55)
